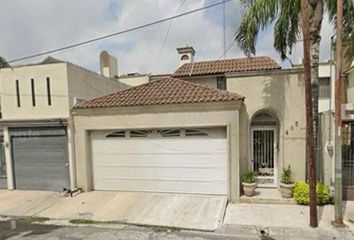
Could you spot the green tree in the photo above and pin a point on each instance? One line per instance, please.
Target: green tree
(286, 17)
(3, 63)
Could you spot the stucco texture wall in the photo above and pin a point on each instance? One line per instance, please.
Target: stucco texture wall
(85, 84)
(280, 93)
(164, 116)
(59, 92)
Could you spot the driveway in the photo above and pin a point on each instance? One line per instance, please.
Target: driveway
(199, 212)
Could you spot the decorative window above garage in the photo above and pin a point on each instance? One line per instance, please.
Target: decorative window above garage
(195, 132)
(118, 134)
(170, 133)
(163, 133)
(140, 133)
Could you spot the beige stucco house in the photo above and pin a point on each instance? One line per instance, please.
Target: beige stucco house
(36, 121)
(196, 132)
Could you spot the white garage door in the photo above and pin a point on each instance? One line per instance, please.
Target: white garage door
(175, 160)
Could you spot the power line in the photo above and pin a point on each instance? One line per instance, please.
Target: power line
(118, 33)
(166, 34)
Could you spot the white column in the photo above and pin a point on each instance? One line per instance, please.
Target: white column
(71, 151)
(8, 159)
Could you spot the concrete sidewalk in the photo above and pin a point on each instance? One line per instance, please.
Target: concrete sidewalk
(270, 216)
(199, 212)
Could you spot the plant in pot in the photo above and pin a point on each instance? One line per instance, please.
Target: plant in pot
(287, 183)
(249, 183)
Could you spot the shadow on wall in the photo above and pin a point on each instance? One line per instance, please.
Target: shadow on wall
(244, 142)
(273, 95)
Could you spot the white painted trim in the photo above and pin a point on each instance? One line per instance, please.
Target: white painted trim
(71, 161)
(274, 129)
(8, 159)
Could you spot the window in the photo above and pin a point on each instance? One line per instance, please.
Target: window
(33, 93)
(221, 83)
(194, 132)
(139, 133)
(119, 134)
(263, 119)
(49, 92)
(185, 57)
(18, 93)
(170, 133)
(324, 87)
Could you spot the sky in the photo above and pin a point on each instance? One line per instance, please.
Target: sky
(29, 27)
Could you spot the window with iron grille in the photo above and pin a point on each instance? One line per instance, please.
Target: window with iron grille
(221, 83)
(324, 87)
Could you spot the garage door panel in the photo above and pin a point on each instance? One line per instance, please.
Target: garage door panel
(111, 145)
(211, 159)
(40, 158)
(185, 165)
(190, 145)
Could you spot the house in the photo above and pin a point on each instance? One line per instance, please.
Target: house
(36, 121)
(187, 134)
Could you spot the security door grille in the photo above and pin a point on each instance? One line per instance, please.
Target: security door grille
(263, 146)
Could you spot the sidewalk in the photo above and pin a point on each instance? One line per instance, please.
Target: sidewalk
(287, 218)
(186, 211)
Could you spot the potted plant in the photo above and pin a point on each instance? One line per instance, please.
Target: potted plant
(249, 183)
(287, 183)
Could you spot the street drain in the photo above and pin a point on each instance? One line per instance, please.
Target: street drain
(264, 234)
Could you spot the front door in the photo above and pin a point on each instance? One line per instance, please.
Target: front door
(264, 155)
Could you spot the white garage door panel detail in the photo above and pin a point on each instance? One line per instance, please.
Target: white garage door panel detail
(184, 164)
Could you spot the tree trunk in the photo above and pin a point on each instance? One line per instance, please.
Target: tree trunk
(315, 8)
(312, 14)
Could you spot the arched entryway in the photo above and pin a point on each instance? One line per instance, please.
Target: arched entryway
(264, 142)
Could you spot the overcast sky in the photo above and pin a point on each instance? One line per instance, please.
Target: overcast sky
(31, 26)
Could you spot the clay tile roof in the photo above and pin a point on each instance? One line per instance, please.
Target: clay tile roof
(165, 91)
(227, 65)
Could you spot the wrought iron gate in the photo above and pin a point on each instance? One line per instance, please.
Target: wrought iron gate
(263, 149)
(348, 160)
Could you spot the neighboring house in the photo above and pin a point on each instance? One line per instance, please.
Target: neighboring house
(186, 134)
(36, 120)
(136, 79)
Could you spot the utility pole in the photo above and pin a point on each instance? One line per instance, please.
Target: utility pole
(338, 217)
(310, 144)
(224, 29)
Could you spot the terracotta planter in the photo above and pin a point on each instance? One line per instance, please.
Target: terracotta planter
(249, 188)
(287, 190)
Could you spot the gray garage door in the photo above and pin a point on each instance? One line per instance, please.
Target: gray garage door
(40, 158)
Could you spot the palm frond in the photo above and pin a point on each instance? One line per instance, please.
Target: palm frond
(348, 24)
(257, 15)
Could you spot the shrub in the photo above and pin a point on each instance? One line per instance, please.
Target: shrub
(301, 193)
(287, 176)
(249, 177)
(323, 194)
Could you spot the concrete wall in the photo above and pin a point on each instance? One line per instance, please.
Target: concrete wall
(67, 81)
(134, 80)
(350, 90)
(281, 93)
(59, 92)
(209, 81)
(164, 116)
(84, 84)
(327, 70)
(327, 148)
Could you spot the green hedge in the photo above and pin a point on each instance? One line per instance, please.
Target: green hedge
(301, 193)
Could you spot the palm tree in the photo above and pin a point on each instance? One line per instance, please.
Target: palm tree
(286, 16)
(3, 63)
